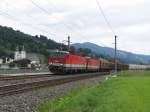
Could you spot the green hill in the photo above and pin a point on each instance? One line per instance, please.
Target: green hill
(10, 39)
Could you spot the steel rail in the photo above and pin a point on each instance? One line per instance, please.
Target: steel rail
(7, 78)
(23, 87)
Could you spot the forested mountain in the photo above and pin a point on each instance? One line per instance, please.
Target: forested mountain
(10, 39)
(107, 52)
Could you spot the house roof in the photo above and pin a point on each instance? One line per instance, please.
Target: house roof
(32, 57)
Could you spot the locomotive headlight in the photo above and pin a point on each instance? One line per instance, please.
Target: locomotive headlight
(51, 63)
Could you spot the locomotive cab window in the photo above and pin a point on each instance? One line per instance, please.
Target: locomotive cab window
(58, 55)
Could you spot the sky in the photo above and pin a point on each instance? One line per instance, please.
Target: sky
(82, 21)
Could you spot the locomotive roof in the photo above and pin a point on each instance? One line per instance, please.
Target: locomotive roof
(59, 51)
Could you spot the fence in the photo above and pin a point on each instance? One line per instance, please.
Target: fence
(23, 71)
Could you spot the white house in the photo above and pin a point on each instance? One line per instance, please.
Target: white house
(9, 60)
(33, 58)
(1, 61)
(20, 54)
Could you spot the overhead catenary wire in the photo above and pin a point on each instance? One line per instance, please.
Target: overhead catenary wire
(56, 9)
(106, 20)
(47, 12)
(11, 17)
(110, 27)
(28, 15)
(7, 15)
(30, 25)
(26, 24)
(18, 21)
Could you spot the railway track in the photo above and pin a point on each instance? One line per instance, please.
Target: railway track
(8, 78)
(23, 87)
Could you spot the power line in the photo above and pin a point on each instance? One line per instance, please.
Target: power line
(7, 15)
(29, 16)
(54, 7)
(109, 25)
(67, 26)
(103, 14)
(35, 4)
(17, 9)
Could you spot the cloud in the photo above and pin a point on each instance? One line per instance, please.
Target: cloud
(82, 20)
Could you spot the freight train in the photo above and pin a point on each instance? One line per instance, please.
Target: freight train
(139, 67)
(64, 62)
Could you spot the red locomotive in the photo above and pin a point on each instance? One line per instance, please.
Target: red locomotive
(93, 65)
(65, 62)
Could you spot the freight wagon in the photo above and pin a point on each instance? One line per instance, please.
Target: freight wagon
(139, 67)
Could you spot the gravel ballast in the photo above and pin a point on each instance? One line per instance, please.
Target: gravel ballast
(26, 102)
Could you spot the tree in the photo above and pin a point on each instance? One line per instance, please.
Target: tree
(20, 63)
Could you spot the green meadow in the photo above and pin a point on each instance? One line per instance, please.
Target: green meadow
(117, 94)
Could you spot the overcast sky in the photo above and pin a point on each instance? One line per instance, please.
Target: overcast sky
(82, 20)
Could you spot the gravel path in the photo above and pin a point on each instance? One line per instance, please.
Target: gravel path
(26, 101)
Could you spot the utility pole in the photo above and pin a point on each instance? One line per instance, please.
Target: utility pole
(115, 53)
(68, 43)
(61, 46)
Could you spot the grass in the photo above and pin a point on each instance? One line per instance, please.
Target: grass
(8, 51)
(135, 73)
(42, 58)
(121, 94)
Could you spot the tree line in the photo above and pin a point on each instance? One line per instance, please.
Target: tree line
(10, 39)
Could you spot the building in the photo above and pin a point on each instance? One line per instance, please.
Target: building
(1, 61)
(33, 58)
(19, 55)
(8, 60)
(35, 62)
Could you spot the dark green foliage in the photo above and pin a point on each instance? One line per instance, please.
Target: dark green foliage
(85, 51)
(2, 53)
(20, 63)
(10, 39)
(72, 49)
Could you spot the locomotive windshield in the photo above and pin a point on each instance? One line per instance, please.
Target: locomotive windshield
(58, 54)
